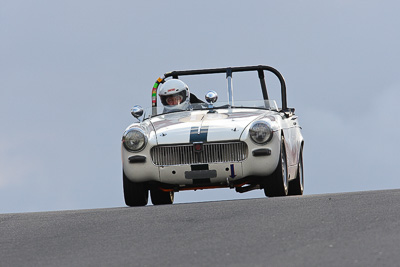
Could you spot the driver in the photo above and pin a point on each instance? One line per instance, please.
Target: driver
(174, 95)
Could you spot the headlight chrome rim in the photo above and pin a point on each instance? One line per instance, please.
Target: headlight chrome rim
(128, 137)
(254, 132)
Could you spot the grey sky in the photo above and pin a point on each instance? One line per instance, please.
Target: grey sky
(71, 70)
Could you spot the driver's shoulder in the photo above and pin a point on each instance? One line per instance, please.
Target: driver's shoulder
(195, 99)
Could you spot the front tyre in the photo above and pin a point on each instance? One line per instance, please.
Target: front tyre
(135, 194)
(276, 185)
(297, 185)
(159, 197)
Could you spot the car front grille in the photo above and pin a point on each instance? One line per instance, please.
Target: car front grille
(211, 153)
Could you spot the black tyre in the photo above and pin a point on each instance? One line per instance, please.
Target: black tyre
(135, 194)
(276, 185)
(159, 197)
(296, 186)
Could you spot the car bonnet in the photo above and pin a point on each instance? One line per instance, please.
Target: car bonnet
(203, 126)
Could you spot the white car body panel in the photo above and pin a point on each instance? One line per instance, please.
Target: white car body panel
(175, 128)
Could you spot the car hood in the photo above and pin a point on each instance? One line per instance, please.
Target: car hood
(196, 126)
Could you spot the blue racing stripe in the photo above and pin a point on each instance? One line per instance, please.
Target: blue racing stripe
(195, 136)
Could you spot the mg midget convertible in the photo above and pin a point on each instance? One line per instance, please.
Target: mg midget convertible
(185, 143)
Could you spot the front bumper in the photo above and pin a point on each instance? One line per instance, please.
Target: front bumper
(261, 161)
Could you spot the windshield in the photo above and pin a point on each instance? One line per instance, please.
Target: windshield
(256, 104)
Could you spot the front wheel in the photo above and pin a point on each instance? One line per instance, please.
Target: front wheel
(159, 197)
(297, 185)
(276, 185)
(135, 194)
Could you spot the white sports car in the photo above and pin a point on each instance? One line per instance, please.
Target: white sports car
(244, 145)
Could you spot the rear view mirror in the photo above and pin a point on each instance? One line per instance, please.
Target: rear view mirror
(137, 111)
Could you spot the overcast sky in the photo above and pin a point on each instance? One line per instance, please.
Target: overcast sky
(71, 70)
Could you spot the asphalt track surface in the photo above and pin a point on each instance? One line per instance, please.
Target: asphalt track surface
(346, 229)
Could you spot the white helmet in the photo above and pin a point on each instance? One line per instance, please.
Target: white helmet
(174, 95)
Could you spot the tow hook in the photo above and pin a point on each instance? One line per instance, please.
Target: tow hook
(229, 181)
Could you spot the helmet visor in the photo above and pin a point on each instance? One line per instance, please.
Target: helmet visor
(173, 100)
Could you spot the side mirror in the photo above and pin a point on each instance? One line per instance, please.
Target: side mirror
(137, 111)
(211, 98)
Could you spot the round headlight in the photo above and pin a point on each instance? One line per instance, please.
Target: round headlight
(134, 139)
(260, 132)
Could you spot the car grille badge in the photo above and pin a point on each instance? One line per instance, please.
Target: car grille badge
(198, 147)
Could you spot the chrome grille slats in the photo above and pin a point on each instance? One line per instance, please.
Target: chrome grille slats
(212, 153)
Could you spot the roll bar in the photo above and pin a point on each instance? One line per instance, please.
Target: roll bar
(229, 71)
